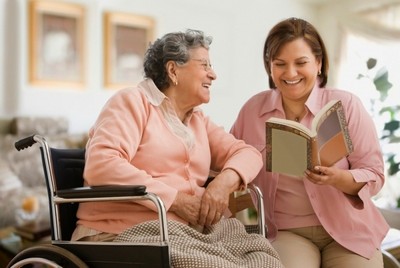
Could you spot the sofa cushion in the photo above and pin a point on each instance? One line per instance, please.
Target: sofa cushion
(8, 180)
(21, 172)
(24, 126)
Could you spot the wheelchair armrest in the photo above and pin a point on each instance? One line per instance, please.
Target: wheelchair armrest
(262, 227)
(103, 191)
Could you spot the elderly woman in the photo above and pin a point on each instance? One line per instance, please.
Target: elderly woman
(155, 135)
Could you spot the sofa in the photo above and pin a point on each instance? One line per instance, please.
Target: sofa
(21, 172)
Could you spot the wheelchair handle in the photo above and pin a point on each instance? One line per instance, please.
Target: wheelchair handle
(25, 142)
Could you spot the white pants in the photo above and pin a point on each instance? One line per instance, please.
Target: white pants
(313, 247)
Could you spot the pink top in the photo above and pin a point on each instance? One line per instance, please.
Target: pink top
(135, 140)
(353, 221)
(293, 208)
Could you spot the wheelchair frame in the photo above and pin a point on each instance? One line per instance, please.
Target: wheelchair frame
(89, 252)
(65, 253)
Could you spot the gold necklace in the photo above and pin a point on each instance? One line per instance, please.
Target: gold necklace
(295, 117)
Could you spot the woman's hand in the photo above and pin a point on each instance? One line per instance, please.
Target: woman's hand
(187, 207)
(215, 199)
(336, 177)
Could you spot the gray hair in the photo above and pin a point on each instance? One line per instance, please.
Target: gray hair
(172, 46)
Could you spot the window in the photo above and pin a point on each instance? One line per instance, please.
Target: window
(361, 45)
(359, 50)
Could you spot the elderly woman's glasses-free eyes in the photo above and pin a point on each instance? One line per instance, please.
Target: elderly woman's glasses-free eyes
(205, 63)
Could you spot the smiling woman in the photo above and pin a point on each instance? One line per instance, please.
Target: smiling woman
(296, 62)
(294, 74)
(157, 136)
(192, 80)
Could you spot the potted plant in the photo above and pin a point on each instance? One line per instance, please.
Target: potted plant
(388, 115)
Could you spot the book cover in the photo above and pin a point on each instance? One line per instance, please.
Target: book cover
(292, 148)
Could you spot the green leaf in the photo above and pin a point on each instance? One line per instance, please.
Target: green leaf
(392, 110)
(371, 63)
(382, 83)
(393, 168)
(392, 126)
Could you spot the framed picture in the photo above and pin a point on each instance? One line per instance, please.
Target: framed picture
(56, 43)
(127, 37)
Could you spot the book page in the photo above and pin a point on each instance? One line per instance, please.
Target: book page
(332, 141)
(289, 152)
(292, 124)
(320, 117)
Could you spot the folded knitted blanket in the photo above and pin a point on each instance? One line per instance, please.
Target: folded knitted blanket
(226, 244)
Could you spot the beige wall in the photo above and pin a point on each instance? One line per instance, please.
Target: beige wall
(238, 27)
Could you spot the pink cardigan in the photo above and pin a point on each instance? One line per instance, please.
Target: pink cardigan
(353, 221)
(131, 143)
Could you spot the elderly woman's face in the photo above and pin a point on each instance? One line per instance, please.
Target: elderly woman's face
(195, 78)
(294, 70)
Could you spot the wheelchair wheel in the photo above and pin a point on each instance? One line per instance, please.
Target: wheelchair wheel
(49, 256)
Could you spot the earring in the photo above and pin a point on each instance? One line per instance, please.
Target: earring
(319, 72)
(174, 81)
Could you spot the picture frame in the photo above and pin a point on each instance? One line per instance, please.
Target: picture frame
(56, 44)
(126, 39)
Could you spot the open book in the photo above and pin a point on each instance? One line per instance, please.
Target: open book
(292, 148)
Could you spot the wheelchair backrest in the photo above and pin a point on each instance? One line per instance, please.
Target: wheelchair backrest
(68, 166)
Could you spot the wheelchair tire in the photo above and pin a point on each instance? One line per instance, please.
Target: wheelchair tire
(46, 255)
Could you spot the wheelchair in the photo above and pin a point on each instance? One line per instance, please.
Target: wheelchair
(63, 170)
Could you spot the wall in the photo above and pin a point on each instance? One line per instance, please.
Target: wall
(239, 31)
(2, 28)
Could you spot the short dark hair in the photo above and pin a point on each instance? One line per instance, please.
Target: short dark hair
(289, 30)
(173, 46)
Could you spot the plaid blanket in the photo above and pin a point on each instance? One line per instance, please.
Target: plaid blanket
(226, 244)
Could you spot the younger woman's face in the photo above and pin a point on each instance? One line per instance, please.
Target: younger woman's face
(295, 69)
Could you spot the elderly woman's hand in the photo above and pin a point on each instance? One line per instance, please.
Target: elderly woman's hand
(215, 199)
(187, 207)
